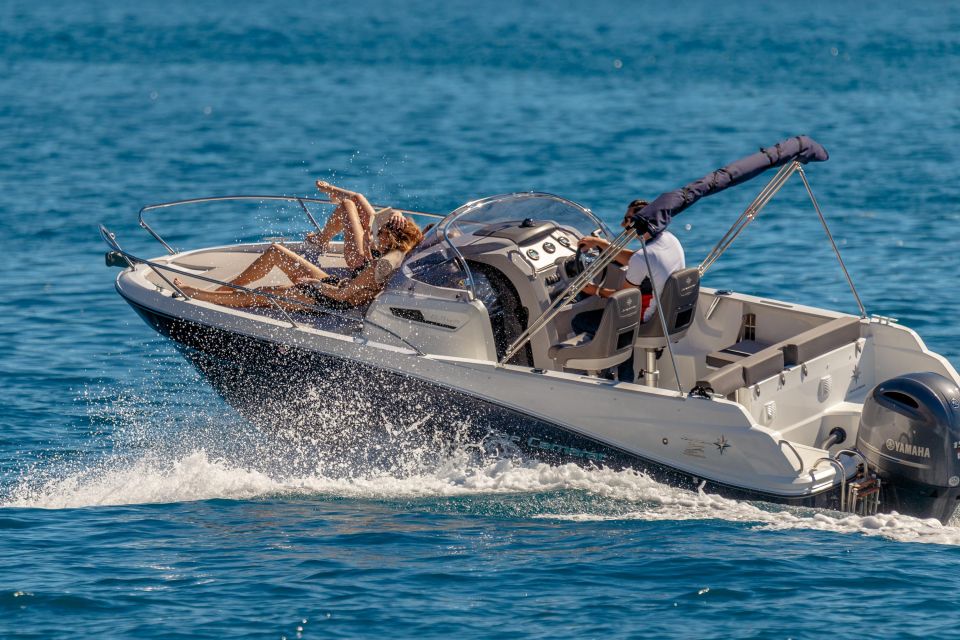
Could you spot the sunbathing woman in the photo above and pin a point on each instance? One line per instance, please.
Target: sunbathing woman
(354, 217)
(371, 267)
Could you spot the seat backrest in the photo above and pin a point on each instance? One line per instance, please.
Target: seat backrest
(821, 339)
(621, 314)
(613, 341)
(679, 303)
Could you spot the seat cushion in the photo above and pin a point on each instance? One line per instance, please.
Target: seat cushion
(762, 365)
(723, 381)
(734, 353)
(575, 341)
(820, 340)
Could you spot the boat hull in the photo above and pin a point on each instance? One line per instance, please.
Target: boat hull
(374, 419)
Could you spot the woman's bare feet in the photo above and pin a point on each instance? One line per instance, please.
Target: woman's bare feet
(336, 194)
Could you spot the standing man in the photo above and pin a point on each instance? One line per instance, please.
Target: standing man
(666, 256)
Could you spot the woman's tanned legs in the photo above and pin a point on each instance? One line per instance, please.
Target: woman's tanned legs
(339, 196)
(277, 255)
(356, 251)
(244, 299)
(346, 219)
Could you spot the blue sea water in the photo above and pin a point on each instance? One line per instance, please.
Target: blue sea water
(136, 504)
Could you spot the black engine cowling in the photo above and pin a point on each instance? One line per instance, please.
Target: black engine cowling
(910, 433)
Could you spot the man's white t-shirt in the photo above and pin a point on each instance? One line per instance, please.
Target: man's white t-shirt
(666, 256)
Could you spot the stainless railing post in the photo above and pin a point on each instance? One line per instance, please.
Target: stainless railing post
(313, 220)
(111, 239)
(841, 472)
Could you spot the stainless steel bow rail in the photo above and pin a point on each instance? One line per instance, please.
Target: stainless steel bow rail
(300, 201)
(118, 257)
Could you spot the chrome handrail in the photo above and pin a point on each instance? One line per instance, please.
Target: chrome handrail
(111, 239)
(790, 446)
(297, 199)
(274, 299)
(853, 453)
(840, 471)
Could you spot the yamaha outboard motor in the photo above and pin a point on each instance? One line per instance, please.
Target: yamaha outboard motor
(910, 433)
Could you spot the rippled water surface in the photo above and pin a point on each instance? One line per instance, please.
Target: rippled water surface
(135, 504)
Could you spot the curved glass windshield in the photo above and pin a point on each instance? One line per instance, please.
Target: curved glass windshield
(438, 261)
(516, 207)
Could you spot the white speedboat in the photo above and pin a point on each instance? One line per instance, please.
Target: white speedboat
(471, 344)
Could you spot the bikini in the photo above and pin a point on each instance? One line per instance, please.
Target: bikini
(315, 291)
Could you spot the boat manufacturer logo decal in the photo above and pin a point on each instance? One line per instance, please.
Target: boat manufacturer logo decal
(627, 305)
(908, 449)
(721, 443)
(538, 443)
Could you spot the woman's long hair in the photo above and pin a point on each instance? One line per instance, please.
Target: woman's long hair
(403, 237)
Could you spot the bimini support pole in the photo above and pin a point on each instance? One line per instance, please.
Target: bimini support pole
(823, 221)
(750, 213)
(575, 287)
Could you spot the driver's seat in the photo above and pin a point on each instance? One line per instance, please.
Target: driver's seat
(613, 341)
(678, 299)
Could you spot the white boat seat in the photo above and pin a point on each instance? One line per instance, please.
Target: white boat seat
(613, 341)
(767, 362)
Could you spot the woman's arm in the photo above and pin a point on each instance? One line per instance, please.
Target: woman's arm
(359, 290)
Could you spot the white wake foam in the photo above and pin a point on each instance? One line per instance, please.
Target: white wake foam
(198, 476)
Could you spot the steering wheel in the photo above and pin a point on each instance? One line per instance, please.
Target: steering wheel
(583, 258)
